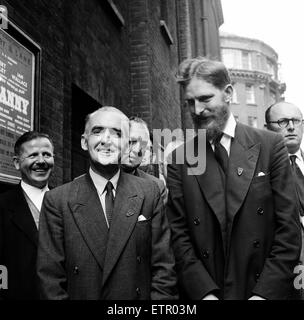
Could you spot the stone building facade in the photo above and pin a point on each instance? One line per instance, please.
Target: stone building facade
(254, 70)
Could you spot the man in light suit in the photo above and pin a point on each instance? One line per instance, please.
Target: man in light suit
(235, 229)
(20, 212)
(287, 119)
(138, 142)
(104, 235)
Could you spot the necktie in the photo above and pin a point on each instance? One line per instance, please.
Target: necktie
(221, 154)
(299, 179)
(109, 201)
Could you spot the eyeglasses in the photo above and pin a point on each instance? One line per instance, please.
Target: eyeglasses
(283, 123)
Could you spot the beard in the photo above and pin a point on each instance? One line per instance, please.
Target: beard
(213, 124)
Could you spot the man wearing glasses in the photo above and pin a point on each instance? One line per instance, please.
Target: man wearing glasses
(20, 213)
(287, 119)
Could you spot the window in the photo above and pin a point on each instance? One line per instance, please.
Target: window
(246, 60)
(232, 58)
(270, 68)
(253, 121)
(250, 94)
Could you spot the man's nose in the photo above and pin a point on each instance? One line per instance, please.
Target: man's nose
(40, 158)
(106, 136)
(290, 125)
(199, 106)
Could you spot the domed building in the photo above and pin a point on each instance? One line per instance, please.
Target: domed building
(253, 67)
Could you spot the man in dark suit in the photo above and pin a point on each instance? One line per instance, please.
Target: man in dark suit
(138, 142)
(235, 229)
(105, 235)
(287, 119)
(19, 214)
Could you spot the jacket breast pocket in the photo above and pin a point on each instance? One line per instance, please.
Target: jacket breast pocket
(260, 179)
(143, 232)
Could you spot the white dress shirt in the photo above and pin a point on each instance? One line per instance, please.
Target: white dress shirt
(228, 133)
(100, 184)
(299, 160)
(36, 195)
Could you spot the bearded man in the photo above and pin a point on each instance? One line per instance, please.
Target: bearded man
(235, 227)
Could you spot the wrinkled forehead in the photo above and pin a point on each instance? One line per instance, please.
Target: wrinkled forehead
(36, 144)
(285, 110)
(108, 119)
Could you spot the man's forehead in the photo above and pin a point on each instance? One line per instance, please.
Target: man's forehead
(139, 130)
(108, 119)
(40, 142)
(285, 110)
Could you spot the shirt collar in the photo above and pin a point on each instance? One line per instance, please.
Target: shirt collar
(31, 190)
(100, 182)
(297, 154)
(229, 129)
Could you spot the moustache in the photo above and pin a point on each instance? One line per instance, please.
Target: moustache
(200, 117)
(43, 166)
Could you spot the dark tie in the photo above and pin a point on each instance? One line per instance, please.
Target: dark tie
(109, 201)
(221, 154)
(299, 179)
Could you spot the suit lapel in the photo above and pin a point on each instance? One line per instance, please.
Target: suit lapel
(211, 184)
(243, 158)
(22, 216)
(87, 210)
(127, 205)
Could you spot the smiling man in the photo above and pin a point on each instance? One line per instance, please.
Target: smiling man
(235, 229)
(105, 235)
(20, 213)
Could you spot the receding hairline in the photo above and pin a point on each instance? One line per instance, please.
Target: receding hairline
(104, 109)
(282, 103)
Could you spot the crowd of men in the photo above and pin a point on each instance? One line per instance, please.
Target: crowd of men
(232, 231)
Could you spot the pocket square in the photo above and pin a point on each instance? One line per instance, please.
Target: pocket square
(261, 174)
(141, 218)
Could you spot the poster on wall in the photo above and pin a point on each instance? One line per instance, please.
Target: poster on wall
(17, 98)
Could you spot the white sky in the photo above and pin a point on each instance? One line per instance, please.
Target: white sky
(280, 24)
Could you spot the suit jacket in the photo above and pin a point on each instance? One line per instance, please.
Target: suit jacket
(18, 245)
(254, 218)
(80, 258)
(161, 185)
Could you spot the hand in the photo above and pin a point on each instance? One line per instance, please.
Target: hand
(256, 298)
(210, 297)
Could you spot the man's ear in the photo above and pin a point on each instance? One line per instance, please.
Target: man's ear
(228, 93)
(16, 163)
(84, 143)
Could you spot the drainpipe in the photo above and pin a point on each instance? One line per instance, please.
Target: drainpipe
(204, 22)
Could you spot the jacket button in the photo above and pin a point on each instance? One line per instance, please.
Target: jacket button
(205, 254)
(76, 270)
(138, 259)
(197, 221)
(138, 291)
(257, 275)
(256, 243)
(260, 211)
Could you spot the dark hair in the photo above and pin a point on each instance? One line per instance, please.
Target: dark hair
(211, 71)
(267, 113)
(28, 136)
